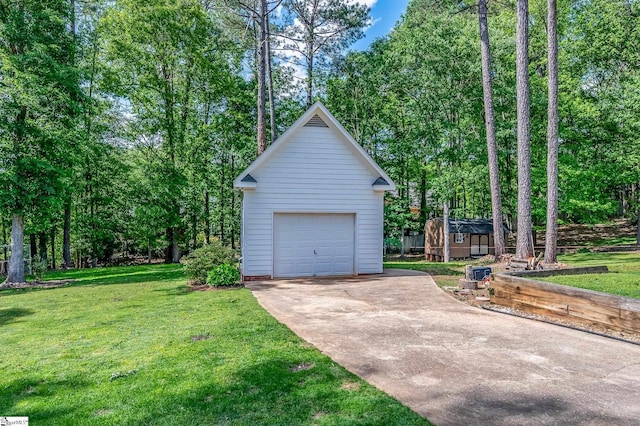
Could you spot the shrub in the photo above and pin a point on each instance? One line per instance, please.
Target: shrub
(39, 267)
(199, 262)
(223, 275)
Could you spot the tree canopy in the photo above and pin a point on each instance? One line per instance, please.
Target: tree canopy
(123, 123)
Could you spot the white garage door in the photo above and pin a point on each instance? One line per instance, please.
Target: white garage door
(306, 245)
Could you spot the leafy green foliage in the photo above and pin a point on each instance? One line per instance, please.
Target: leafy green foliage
(223, 275)
(204, 259)
(39, 267)
(132, 120)
(414, 101)
(397, 217)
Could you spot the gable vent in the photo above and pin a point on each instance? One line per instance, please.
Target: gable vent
(249, 178)
(316, 121)
(381, 181)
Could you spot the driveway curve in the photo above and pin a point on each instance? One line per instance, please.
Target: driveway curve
(456, 364)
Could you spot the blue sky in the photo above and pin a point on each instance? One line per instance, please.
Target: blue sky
(385, 14)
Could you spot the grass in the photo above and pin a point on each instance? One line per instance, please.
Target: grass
(132, 346)
(623, 279)
(613, 241)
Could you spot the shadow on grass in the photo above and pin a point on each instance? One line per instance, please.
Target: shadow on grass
(131, 278)
(122, 274)
(25, 390)
(109, 276)
(12, 314)
(275, 392)
(181, 290)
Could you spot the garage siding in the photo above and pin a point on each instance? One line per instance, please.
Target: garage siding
(313, 172)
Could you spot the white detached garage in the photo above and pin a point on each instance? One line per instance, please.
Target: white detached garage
(313, 204)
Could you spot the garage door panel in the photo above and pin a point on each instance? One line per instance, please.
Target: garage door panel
(344, 251)
(313, 244)
(303, 269)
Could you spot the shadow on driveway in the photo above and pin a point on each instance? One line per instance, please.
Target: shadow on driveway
(456, 364)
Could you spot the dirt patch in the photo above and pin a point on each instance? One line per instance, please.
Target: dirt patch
(36, 284)
(301, 367)
(350, 385)
(200, 337)
(206, 287)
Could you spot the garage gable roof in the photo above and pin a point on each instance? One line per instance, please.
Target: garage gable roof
(316, 116)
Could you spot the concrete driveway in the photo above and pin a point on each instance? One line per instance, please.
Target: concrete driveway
(455, 364)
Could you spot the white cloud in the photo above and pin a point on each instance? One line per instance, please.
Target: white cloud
(372, 23)
(369, 3)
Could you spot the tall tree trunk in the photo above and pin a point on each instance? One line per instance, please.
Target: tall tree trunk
(16, 263)
(92, 212)
(310, 54)
(4, 240)
(52, 236)
(445, 230)
(634, 195)
(638, 232)
(207, 218)
(33, 246)
(194, 229)
(172, 254)
(233, 205)
(310, 81)
(42, 246)
(222, 204)
(167, 254)
(492, 146)
(272, 103)
(261, 67)
(175, 250)
(66, 236)
(524, 248)
(423, 198)
(551, 238)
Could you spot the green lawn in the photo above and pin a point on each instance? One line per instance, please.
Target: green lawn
(623, 279)
(133, 346)
(615, 241)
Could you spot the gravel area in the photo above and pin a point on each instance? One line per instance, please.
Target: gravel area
(589, 328)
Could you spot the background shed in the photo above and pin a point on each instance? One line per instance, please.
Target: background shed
(467, 238)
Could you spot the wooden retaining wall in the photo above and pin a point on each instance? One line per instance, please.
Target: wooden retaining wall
(519, 290)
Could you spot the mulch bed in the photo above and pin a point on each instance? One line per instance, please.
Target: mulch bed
(206, 287)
